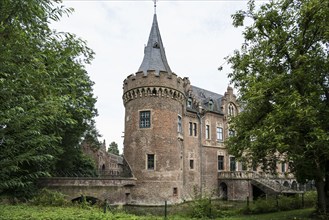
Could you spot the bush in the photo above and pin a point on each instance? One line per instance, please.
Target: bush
(49, 198)
(310, 199)
(280, 203)
(264, 205)
(289, 203)
(201, 208)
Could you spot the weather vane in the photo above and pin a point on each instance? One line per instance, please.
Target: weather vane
(155, 6)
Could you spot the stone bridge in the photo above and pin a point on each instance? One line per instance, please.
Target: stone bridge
(115, 189)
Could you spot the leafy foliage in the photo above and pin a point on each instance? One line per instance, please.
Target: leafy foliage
(282, 73)
(280, 203)
(46, 96)
(49, 198)
(113, 148)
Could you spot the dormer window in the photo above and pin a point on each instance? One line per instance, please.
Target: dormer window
(211, 105)
(156, 45)
(189, 103)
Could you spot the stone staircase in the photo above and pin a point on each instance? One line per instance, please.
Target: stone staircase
(267, 183)
(271, 186)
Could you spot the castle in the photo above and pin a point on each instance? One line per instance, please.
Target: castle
(174, 145)
(174, 137)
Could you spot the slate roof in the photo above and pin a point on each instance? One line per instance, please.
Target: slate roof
(204, 96)
(154, 53)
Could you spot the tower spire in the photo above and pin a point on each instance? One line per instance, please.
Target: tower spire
(154, 53)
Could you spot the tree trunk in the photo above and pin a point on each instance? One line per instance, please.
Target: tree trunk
(322, 196)
(326, 188)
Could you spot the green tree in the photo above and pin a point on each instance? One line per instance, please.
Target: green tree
(282, 74)
(46, 99)
(113, 148)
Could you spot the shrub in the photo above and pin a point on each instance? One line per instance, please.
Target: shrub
(289, 203)
(310, 199)
(264, 205)
(49, 198)
(201, 208)
(280, 203)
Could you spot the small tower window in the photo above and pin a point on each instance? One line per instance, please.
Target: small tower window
(145, 119)
(191, 164)
(179, 124)
(150, 161)
(175, 191)
(156, 45)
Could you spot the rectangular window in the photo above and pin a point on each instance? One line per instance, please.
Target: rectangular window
(283, 167)
(145, 119)
(191, 164)
(175, 191)
(191, 128)
(179, 124)
(194, 129)
(232, 164)
(150, 162)
(207, 132)
(219, 134)
(220, 162)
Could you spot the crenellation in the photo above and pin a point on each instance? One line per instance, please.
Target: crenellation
(161, 92)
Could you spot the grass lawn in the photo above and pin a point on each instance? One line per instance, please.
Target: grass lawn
(40, 212)
(299, 214)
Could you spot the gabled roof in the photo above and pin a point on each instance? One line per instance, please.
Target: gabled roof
(154, 53)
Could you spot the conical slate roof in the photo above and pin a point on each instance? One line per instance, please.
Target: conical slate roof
(154, 53)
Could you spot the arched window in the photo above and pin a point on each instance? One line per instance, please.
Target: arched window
(231, 110)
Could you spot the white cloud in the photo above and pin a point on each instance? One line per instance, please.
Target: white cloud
(197, 35)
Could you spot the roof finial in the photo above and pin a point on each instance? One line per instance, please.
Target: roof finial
(155, 6)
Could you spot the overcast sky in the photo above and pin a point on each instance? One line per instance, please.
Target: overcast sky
(197, 35)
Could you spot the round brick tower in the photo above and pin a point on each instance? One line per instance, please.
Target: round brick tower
(154, 102)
